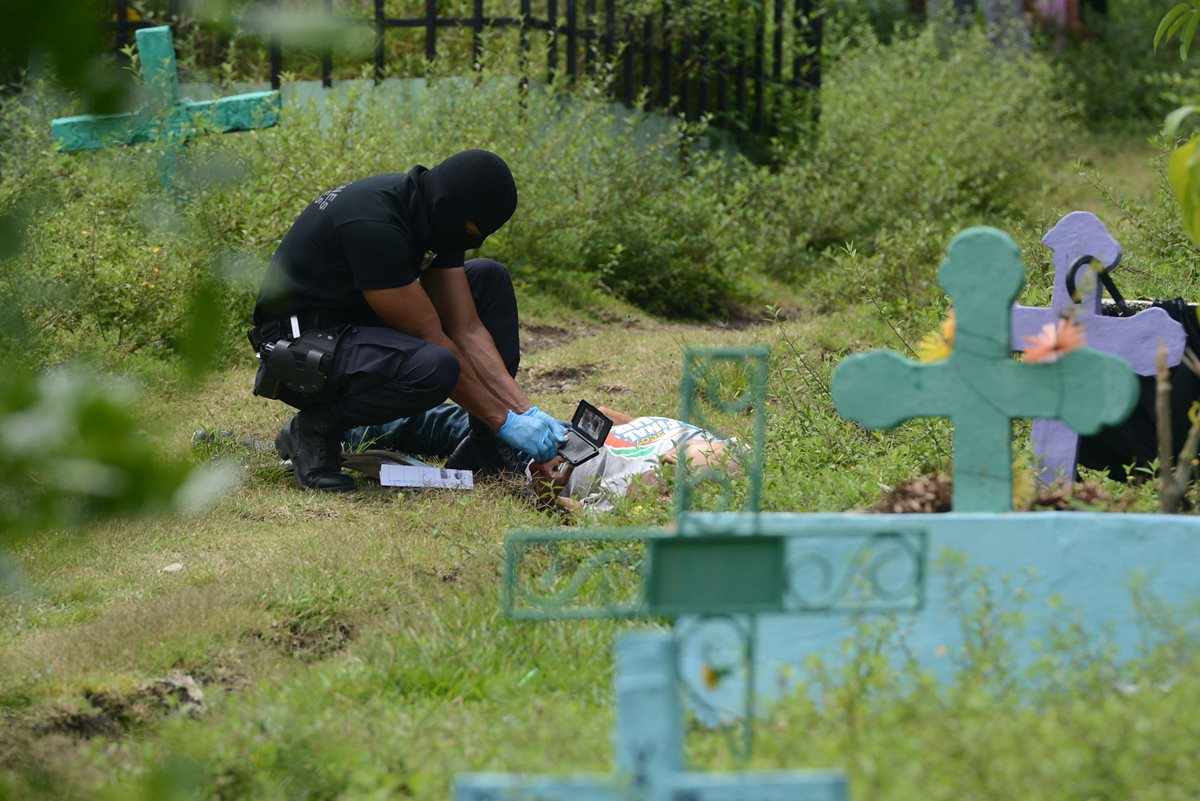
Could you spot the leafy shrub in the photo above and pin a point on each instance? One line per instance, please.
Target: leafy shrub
(607, 200)
(924, 131)
(609, 204)
(1114, 73)
(612, 202)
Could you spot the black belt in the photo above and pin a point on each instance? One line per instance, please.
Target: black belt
(305, 320)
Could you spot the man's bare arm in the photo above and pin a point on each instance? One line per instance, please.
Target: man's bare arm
(450, 294)
(409, 309)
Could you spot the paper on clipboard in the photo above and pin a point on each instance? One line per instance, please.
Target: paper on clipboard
(401, 475)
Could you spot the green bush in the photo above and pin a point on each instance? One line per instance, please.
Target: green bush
(923, 132)
(612, 203)
(608, 204)
(606, 201)
(1114, 73)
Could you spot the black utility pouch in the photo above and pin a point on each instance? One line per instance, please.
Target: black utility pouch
(301, 365)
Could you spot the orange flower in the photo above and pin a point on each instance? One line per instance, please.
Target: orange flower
(1055, 341)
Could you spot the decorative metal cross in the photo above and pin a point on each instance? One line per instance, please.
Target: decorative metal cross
(1135, 339)
(723, 573)
(165, 117)
(649, 750)
(979, 387)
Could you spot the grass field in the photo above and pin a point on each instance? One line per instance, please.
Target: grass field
(352, 646)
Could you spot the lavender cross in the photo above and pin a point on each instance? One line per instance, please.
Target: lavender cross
(1135, 339)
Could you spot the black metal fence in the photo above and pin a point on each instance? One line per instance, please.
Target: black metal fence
(722, 67)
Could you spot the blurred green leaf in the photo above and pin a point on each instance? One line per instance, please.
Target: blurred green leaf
(70, 38)
(1183, 173)
(204, 328)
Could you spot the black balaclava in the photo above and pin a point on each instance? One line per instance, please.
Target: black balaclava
(473, 185)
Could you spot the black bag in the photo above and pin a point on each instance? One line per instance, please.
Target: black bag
(1134, 443)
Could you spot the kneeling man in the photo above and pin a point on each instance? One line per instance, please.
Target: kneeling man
(369, 312)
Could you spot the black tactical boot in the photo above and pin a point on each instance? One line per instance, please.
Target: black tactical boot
(312, 439)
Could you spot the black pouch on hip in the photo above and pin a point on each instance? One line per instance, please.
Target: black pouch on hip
(301, 365)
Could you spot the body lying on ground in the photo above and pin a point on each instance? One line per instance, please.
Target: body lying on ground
(633, 452)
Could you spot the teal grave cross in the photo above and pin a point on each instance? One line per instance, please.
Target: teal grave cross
(165, 117)
(979, 386)
(719, 387)
(710, 581)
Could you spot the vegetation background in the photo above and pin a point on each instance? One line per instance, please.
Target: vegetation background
(314, 647)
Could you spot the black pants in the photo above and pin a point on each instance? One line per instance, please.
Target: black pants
(380, 374)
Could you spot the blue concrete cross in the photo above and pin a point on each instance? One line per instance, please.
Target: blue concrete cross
(700, 577)
(165, 118)
(1135, 339)
(650, 752)
(979, 387)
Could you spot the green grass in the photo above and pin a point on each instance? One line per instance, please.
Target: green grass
(353, 646)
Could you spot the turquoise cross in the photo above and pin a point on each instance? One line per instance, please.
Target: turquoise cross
(650, 750)
(719, 571)
(165, 117)
(980, 387)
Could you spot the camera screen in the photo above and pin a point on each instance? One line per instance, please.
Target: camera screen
(576, 449)
(591, 424)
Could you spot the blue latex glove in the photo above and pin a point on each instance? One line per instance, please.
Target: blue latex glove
(556, 426)
(529, 433)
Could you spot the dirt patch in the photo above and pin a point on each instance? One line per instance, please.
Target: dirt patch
(107, 713)
(924, 494)
(558, 380)
(1085, 494)
(544, 337)
(929, 494)
(740, 320)
(308, 641)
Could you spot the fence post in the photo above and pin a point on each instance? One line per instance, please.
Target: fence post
(379, 28)
(430, 30)
(648, 55)
(591, 50)
(477, 35)
(275, 47)
(628, 54)
(610, 30)
(685, 55)
(552, 56)
(665, 101)
(572, 42)
(806, 66)
(816, 23)
(327, 52)
(760, 46)
(523, 38)
(740, 72)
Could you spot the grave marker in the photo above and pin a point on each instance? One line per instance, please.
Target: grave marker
(697, 574)
(165, 118)
(1135, 339)
(979, 386)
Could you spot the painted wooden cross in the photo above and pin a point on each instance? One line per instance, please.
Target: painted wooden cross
(165, 118)
(1135, 339)
(979, 386)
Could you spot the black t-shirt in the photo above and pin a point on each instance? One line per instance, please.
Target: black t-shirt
(368, 234)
